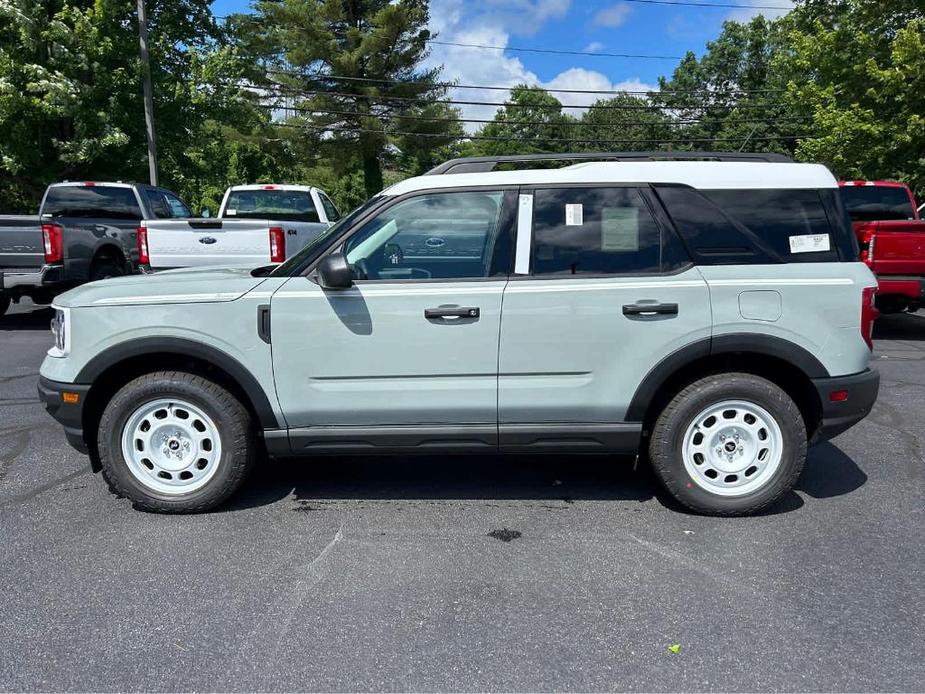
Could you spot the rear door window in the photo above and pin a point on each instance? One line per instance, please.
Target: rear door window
(157, 203)
(329, 209)
(107, 202)
(177, 207)
(595, 231)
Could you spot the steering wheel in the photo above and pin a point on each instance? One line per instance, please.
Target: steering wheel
(361, 269)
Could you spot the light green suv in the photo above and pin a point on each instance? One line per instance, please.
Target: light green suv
(709, 315)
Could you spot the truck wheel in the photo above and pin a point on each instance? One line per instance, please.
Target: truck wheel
(729, 445)
(104, 268)
(4, 304)
(173, 442)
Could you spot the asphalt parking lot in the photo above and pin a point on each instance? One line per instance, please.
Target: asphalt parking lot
(380, 574)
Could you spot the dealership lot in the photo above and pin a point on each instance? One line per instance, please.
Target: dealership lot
(359, 574)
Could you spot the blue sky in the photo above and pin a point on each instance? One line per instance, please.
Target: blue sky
(605, 26)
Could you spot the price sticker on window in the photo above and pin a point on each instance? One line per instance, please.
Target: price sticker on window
(810, 243)
(574, 215)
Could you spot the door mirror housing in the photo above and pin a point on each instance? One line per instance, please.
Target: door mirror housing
(334, 272)
(206, 213)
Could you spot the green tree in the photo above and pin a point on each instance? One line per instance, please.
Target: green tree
(531, 121)
(352, 69)
(858, 68)
(733, 96)
(624, 123)
(70, 97)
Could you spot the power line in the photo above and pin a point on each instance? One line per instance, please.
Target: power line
(522, 49)
(282, 90)
(309, 126)
(452, 85)
(447, 119)
(689, 3)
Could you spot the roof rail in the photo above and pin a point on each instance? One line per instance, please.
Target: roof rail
(483, 164)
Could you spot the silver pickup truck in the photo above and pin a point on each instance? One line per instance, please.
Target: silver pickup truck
(256, 225)
(84, 231)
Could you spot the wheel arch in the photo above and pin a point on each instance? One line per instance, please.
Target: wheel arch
(784, 363)
(114, 367)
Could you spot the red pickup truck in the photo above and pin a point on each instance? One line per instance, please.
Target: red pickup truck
(892, 239)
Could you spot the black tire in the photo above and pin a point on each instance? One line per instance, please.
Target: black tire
(105, 268)
(667, 442)
(231, 418)
(4, 304)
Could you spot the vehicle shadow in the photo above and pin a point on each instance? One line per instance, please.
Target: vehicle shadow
(900, 326)
(20, 318)
(453, 477)
(828, 473)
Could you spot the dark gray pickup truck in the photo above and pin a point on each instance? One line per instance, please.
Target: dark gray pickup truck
(84, 231)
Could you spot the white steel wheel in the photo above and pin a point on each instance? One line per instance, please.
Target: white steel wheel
(171, 446)
(732, 448)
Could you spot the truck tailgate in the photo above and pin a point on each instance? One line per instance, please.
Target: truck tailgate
(176, 243)
(21, 244)
(899, 247)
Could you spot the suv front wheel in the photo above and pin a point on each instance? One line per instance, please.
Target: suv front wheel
(174, 442)
(729, 444)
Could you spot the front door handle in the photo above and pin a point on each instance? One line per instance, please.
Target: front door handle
(649, 309)
(452, 312)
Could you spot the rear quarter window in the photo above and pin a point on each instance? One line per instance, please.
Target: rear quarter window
(724, 227)
(109, 202)
(791, 222)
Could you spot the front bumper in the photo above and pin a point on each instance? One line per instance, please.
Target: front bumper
(68, 414)
(859, 393)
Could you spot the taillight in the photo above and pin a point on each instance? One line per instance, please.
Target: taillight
(868, 237)
(277, 245)
(54, 246)
(143, 255)
(869, 314)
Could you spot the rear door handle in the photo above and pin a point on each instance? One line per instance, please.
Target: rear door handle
(452, 312)
(649, 309)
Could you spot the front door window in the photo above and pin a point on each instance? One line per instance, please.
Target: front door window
(434, 236)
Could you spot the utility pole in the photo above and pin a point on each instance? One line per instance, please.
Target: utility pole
(148, 93)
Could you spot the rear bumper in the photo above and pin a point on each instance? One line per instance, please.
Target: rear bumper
(21, 280)
(912, 288)
(842, 414)
(69, 415)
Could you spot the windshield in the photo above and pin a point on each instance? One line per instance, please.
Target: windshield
(295, 205)
(873, 203)
(320, 242)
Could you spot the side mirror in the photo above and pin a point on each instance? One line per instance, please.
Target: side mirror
(334, 272)
(206, 213)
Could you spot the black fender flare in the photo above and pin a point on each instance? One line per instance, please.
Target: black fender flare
(181, 347)
(735, 343)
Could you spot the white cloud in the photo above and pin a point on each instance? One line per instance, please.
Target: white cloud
(594, 47)
(478, 66)
(524, 17)
(613, 16)
(745, 14)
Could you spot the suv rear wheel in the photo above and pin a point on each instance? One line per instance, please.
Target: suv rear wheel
(173, 442)
(729, 444)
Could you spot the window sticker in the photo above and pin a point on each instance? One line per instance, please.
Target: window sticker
(620, 229)
(810, 243)
(231, 212)
(574, 215)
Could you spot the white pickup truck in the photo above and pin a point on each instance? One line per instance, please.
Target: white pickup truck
(256, 225)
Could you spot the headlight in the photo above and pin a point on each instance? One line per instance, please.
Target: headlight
(61, 329)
